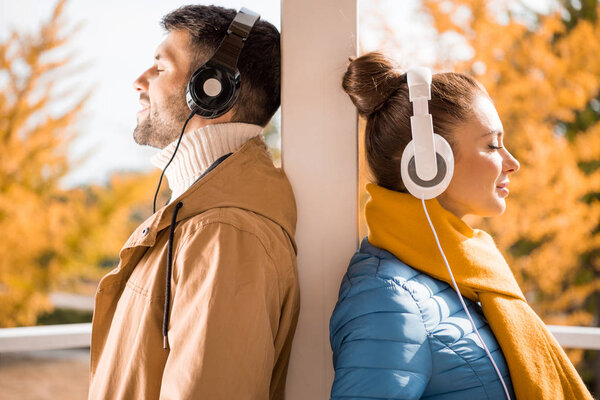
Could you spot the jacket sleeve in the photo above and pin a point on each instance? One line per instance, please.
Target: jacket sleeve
(380, 345)
(224, 317)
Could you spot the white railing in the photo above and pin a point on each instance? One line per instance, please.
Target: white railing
(53, 337)
(577, 337)
(47, 337)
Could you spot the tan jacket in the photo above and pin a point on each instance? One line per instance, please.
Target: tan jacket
(234, 292)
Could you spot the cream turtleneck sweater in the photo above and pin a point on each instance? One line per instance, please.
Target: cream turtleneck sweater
(199, 149)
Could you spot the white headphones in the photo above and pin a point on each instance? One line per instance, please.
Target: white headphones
(427, 163)
(427, 167)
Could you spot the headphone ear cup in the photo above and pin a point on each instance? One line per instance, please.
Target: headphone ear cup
(212, 90)
(438, 184)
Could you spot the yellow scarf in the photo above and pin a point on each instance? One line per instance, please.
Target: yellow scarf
(539, 368)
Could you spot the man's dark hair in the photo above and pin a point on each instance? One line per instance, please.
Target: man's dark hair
(259, 62)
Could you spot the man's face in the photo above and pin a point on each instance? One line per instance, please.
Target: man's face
(162, 92)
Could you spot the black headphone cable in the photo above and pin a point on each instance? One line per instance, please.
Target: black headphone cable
(172, 157)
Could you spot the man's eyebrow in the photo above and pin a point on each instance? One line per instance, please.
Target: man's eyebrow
(164, 56)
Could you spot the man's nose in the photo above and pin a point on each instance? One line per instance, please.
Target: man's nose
(141, 83)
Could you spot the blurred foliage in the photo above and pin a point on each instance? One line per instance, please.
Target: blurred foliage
(33, 143)
(51, 237)
(543, 73)
(272, 133)
(64, 316)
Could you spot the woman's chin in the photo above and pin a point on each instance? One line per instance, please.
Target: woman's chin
(493, 209)
(499, 207)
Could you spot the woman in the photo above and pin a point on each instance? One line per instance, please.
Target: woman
(399, 330)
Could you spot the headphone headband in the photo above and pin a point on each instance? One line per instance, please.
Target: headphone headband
(229, 50)
(243, 22)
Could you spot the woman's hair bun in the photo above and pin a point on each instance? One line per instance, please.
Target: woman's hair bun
(370, 80)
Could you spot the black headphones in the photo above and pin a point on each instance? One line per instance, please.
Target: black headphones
(214, 87)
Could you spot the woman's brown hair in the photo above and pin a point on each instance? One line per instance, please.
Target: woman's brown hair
(380, 93)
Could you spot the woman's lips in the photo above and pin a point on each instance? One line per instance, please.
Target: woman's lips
(503, 189)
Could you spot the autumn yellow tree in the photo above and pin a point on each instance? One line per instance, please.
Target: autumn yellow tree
(33, 159)
(583, 131)
(52, 237)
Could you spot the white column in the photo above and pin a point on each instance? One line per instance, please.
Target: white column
(319, 155)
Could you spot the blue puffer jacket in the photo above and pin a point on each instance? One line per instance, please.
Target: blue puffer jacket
(397, 333)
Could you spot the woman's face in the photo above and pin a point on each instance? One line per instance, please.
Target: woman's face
(480, 170)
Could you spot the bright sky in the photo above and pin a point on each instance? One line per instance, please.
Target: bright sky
(117, 42)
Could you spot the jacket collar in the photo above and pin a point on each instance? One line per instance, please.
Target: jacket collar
(247, 179)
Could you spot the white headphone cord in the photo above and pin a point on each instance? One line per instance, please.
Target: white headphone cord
(463, 302)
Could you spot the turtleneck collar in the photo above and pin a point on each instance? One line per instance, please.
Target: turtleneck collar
(199, 149)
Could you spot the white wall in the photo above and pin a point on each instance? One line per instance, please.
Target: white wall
(319, 152)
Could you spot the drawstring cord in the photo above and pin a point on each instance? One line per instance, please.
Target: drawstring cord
(169, 272)
(168, 276)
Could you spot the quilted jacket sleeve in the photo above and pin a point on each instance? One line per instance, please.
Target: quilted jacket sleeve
(380, 345)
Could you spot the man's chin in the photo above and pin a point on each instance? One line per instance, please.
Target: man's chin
(155, 133)
(141, 137)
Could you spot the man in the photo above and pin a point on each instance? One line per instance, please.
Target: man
(204, 302)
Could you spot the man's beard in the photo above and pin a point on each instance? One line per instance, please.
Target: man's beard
(163, 125)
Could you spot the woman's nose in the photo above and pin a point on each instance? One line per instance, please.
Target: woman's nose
(511, 164)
